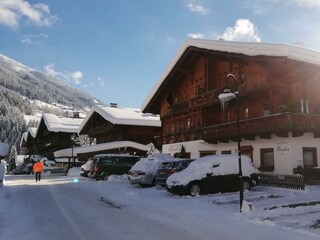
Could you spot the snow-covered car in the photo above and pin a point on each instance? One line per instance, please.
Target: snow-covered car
(85, 168)
(144, 171)
(166, 169)
(213, 174)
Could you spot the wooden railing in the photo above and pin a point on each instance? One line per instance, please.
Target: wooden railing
(207, 99)
(292, 181)
(204, 99)
(264, 126)
(280, 124)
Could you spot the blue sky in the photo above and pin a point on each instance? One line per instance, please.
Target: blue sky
(116, 50)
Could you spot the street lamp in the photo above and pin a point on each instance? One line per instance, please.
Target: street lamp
(74, 140)
(224, 98)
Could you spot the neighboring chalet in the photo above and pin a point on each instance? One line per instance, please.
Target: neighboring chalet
(279, 103)
(53, 133)
(114, 128)
(27, 140)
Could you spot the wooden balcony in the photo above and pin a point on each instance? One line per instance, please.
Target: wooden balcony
(101, 129)
(205, 99)
(208, 99)
(278, 124)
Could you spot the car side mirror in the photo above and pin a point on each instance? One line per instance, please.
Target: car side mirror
(216, 165)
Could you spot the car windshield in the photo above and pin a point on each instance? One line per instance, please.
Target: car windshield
(167, 165)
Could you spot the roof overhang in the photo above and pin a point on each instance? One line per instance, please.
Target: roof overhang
(243, 48)
(73, 152)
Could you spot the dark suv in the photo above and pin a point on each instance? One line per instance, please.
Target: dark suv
(168, 168)
(104, 165)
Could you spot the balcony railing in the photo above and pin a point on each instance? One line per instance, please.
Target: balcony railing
(280, 124)
(204, 99)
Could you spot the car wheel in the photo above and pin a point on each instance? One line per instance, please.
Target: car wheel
(194, 190)
(245, 185)
(153, 182)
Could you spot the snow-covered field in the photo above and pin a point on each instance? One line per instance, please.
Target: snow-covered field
(214, 216)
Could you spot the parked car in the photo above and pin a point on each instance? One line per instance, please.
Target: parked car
(104, 165)
(85, 168)
(24, 168)
(168, 168)
(212, 174)
(144, 171)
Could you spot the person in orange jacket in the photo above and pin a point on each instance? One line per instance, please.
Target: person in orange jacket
(38, 169)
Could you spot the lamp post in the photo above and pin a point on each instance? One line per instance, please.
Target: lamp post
(224, 97)
(74, 139)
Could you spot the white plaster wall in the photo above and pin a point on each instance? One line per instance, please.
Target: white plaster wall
(287, 151)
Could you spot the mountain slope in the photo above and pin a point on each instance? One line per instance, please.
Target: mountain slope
(35, 84)
(20, 88)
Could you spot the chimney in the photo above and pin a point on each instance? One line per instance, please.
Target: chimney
(76, 115)
(114, 105)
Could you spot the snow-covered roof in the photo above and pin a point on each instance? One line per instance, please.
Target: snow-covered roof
(103, 146)
(61, 124)
(123, 116)
(246, 48)
(32, 131)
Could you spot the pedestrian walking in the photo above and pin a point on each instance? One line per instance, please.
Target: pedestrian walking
(38, 169)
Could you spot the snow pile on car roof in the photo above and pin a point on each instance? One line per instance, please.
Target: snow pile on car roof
(151, 163)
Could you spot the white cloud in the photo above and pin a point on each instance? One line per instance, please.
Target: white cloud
(87, 85)
(33, 38)
(12, 11)
(101, 81)
(77, 76)
(49, 69)
(244, 30)
(193, 6)
(195, 35)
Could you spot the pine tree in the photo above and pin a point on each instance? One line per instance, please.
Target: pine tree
(11, 162)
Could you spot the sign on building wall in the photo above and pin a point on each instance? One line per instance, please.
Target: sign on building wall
(282, 148)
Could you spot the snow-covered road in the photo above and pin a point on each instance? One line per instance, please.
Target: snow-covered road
(55, 209)
(60, 208)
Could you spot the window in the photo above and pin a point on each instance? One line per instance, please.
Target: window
(266, 111)
(304, 106)
(267, 160)
(226, 152)
(206, 153)
(182, 155)
(309, 157)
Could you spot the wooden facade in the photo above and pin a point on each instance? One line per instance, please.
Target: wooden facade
(47, 142)
(99, 127)
(279, 107)
(104, 131)
(277, 95)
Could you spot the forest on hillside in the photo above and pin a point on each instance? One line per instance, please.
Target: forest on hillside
(12, 110)
(20, 86)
